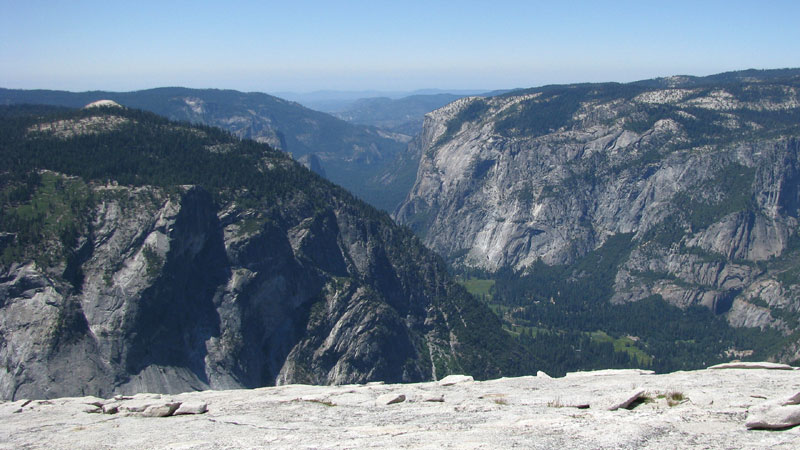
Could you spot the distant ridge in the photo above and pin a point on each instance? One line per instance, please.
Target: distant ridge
(350, 155)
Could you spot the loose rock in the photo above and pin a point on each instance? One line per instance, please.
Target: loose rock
(526, 412)
(752, 365)
(191, 408)
(455, 379)
(162, 410)
(628, 399)
(136, 406)
(91, 409)
(793, 400)
(775, 418)
(390, 399)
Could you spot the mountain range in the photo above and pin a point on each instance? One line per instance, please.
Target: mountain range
(651, 224)
(679, 191)
(139, 254)
(404, 115)
(333, 101)
(352, 155)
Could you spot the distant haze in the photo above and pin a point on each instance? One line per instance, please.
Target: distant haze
(307, 46)
(335, 101)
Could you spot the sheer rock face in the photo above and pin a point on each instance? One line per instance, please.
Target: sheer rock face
(709, 195)
(179, 295)
(493, 201)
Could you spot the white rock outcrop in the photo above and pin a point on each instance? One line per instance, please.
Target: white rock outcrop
(752, 365)
(103, 103)
(455, 379)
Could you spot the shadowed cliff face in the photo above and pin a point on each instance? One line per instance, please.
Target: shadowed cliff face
(172, 288)
(172, 300)
(702, 172)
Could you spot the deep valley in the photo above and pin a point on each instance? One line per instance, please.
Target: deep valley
(647, 225)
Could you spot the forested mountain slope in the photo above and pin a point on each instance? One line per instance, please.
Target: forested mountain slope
(348, 154)
(139, 254)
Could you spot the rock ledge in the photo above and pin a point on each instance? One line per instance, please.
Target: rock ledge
(606, 409)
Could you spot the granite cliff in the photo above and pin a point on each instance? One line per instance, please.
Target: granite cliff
(699, 175)
(140, 254)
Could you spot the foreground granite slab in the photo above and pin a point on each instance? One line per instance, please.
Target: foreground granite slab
(698, 409)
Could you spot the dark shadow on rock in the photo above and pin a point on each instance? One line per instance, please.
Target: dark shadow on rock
(177, 314)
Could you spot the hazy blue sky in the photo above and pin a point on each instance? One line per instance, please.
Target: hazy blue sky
(394, 45)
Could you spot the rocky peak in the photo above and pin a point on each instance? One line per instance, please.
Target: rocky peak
(103, 104)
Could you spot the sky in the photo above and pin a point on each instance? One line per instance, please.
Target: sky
(304, 46)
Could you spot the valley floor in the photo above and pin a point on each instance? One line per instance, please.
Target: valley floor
(697, 409)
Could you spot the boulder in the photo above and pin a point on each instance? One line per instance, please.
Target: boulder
(752, 365)
(191, 408)
(774, 418)
(137, 406)
(91, 409)
(161, 410)
(455, 379)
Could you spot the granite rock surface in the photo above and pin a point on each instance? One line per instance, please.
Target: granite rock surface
(528, 412)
